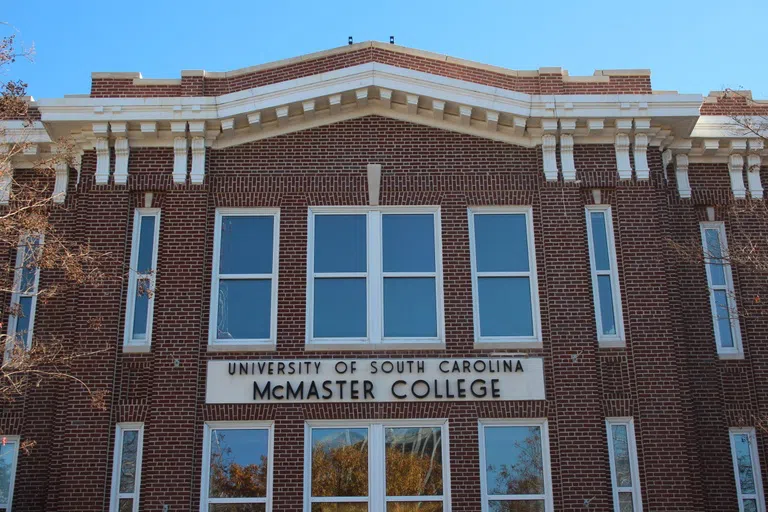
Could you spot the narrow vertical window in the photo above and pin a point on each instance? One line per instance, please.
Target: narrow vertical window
(506, 304)
(374, 275)
(126, 476)
(377, 467)
(9, 453)
(244, 288)
(237, 467)
(141, 284)
(25, 290)
(605, 275)
(746, 467)
(514, 462)
(722, 295)
(622, 453)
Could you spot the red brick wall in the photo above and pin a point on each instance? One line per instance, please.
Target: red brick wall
(683, 398)
(208, 86)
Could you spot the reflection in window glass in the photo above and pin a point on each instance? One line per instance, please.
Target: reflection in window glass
(414, 506)
(513, 458)
(238, 463)
(127, 468)
(339, 507)
(128, 462)
(244, 309)
(7, 460)
(340, 462)
(623, 459)
(725, 317)
(414, 462)
(516, 506)
(605, 277)
(621, 456)
(24, 298)
(237, 507)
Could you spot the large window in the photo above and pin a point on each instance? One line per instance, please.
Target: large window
(622, 452)
(141, 284)
(605, 275)
(514, 466)
(244, 288)
(746, 467)
(721, 290)
(375, 467)
(374, 275)
(506, 298)
(9, 453)
(126, 474)
(237, 467)
(25, 290)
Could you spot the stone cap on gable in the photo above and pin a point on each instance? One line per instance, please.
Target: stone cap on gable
(545, 80)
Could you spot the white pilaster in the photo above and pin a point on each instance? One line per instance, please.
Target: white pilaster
(641, 156)
(681, 176)
(736, 171)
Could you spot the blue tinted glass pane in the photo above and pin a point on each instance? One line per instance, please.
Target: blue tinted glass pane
(244, 309)
(715, 255)
(621, 462)
(505, 306)
(141, 309)
(130, 450)
(341, 308)
(410, 307)
(7, 454)
(23, 314)
(501, 243)
(744, 462)
(605, 295)
(750, 505)
(723, 318)
(146, 242)
(239, 463)
(246, 245)
(513, 458)
(31, 248)
(409, 243)
(340, 243)
(600, 240)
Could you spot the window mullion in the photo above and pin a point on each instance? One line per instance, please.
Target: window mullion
(375, 279)
(377, 490)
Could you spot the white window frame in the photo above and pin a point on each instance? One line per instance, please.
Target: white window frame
(214, 311)
(531, 274)
(17, 294)
(377, 489)
(606, 340)
(737, 351)
(115, 494)
(637, 498)
(16, 441)
(269, 426)
(375, 275)
(129, 341)
(758, 496)
(546, 462)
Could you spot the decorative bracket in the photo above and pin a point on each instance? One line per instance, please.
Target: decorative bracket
(681, 176)
(101, 131)
(120, 130)
(753, 168)
(197, 132)
(179, 131)
(641, 156)
(567, 127)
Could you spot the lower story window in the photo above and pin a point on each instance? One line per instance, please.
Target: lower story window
(9, 452)
(746, 466)
(126, 475)
(377, 467)
(237, 467)
(514, 461)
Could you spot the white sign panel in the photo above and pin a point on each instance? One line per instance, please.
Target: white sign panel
(374, 380)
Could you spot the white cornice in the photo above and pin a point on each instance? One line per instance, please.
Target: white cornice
(677, 111)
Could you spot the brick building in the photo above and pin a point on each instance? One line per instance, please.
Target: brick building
(385, 279)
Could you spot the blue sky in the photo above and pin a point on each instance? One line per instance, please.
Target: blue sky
(689, 46)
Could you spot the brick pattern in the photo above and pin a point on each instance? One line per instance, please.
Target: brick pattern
(207, 86)
(682, 397)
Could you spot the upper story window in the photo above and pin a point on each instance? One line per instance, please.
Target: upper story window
(605, 276)
(237, 467)
(722, 295)
(622, 452)
(505, 290)
(746, 467)
(141, 283)
(9, 453)
(244, 288)
(375, 275)
(126, 474)
(514, 466)
(25, 290)
(377, 467)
